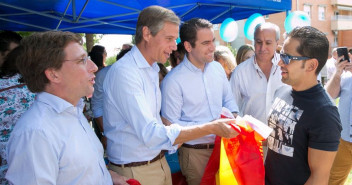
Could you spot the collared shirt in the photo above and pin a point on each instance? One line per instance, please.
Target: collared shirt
(253, 92)
(330, 67)
(345, 106)
(53, 143)
(193, 97)
(98, 95)
(132, 101)
(13, 103)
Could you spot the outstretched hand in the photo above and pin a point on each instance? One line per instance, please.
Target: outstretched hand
(224, 128)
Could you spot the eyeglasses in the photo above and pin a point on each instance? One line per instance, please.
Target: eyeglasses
(82, 60)
(287, 58)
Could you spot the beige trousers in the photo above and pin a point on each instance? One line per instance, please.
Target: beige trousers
(156, 173)
(342, 164)
(193, 163)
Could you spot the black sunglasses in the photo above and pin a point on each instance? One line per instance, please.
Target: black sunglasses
(287, 58)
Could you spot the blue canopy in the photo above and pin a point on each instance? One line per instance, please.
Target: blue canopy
(120, 16)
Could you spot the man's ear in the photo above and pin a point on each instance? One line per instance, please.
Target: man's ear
(312, 65)
(52, 75)
(187, 46)
(146, 33)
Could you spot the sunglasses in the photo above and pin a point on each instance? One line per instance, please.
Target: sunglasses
(287, 58)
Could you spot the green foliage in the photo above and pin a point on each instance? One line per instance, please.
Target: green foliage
(25, 33)
(167, 64)
(233, 50)
(110, 60)
(134, 39)
(96, 39)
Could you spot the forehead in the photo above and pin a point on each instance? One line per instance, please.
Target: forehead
(74, 49)
(169, 30)
(205, 34)
(266, 34)
(290, 46)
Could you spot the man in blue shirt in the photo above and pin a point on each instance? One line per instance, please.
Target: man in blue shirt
(135, 133)
(52, 143)
(194, 93)
(340, 85)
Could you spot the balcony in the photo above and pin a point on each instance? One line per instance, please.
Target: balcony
(341, 22)
(341, 2)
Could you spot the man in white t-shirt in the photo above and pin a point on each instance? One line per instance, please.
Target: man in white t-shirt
(330, 64)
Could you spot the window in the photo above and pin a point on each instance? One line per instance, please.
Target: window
(306, 8)
(321, 12)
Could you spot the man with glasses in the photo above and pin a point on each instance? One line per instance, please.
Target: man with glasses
(52, 142)
(306, 123)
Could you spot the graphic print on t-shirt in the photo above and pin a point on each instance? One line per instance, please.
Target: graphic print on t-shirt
(283, 119)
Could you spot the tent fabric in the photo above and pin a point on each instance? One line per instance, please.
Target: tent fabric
(120, 16)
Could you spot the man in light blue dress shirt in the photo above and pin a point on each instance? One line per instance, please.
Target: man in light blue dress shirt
(340, 85)
(53, 143)
(134, 129)
(194, 93)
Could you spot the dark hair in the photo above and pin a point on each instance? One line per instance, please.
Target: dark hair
(122, 53)
(154, 18)
(350, 51)
(181, 51)
(188, 31)
(42, 51)
(313, 44)
(6, 37)
(163, 71)
(9, 68)
(96, 55)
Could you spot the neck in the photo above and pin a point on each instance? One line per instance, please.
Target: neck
(59, 92)
(200, 65)
(143, 48)
(307, 83)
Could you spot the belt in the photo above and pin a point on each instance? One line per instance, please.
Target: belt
(141, 163)
(199, 146)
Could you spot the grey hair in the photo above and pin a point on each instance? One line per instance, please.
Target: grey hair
(154, 18)
(268, 25)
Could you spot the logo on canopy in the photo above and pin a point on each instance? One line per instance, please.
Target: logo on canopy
(228, 30)
(296, 19)
(251, 23)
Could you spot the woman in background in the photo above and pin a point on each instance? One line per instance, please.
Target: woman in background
(225, 57)
(244, 52)
(15, 99)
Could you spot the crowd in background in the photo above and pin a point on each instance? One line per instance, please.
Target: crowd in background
(51, 89)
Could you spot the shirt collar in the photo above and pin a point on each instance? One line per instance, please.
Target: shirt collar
(141, 62)
(190, 66)
(275, 60)
(57, 103)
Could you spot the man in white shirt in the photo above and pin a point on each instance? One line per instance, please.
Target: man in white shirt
(255, 81)
(135, 133)
(194, 93)
(330, 64)
(52, 142)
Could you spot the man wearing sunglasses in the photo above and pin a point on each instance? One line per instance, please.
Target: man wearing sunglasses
(306, 123)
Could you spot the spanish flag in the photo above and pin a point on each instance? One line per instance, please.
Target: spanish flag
(239, 160)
